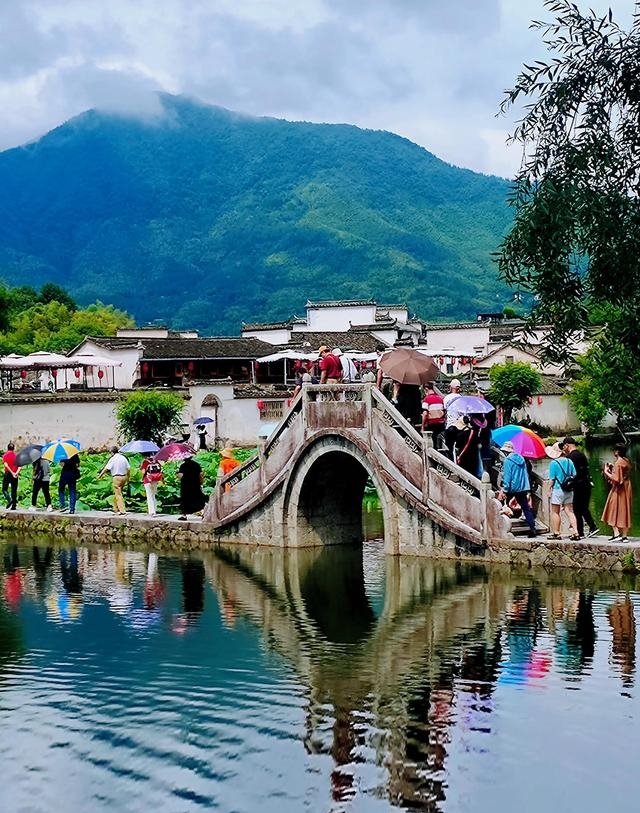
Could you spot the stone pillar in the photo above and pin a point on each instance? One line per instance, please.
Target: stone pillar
(485, 488)
(427, 443)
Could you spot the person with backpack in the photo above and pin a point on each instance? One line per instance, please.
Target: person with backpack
(41, 481)
(151, 478)
(433, 413)
(516, 484)
(562, 474)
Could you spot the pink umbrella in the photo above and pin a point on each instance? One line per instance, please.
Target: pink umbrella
(175, 451)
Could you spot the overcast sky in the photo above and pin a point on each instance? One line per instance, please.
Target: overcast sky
(431, 70)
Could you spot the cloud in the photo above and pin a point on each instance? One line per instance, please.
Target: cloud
(431, 70)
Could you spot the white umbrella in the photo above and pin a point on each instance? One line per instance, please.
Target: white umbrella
(89, 360)
(41, 359)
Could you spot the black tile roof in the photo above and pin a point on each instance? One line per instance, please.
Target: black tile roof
(345, 340)
(340, 303)
(179, 349)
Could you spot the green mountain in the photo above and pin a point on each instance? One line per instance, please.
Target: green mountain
(205, 218)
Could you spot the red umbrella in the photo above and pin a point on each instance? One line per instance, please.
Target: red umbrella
(175, 451)
(407, 366)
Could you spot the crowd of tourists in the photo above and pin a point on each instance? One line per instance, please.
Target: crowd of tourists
(190, 476)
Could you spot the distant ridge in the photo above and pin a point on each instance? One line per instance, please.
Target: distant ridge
(204, 218)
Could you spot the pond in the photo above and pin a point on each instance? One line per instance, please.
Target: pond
(331, 679)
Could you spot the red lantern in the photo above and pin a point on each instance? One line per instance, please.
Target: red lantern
(260, 405)
(190, 366)
(441, 360)
(540, 399)
(76, 372)
(145, 369)
(257, 365)
(474, 360)
(23, 373)
(100, 374)
(54, 373)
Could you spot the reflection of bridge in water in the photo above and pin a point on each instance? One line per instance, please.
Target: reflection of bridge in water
(305, 486)
(395, 670)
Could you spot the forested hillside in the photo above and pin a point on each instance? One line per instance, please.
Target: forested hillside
(206, 218)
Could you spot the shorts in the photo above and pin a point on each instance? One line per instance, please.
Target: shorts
(560, 497)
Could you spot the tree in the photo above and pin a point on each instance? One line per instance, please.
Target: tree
(50, 292)
(146, 415)
(575, 239)
(512, 385)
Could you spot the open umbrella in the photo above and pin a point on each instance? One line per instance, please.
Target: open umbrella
(142, 446)
(60, 450)
(29, 454)
(407, 366)
(525, 441)
(175, 451)
(470, 405)
(202, 420)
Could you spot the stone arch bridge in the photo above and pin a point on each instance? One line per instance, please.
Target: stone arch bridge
(305, 486)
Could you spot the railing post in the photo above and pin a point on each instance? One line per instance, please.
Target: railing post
(485, 488)
(218, 494)
(304, 408)
(427, 443)
(261, 469)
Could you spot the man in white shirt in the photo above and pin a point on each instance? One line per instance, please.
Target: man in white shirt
(349, 372)
(118, 467)
(453, 416)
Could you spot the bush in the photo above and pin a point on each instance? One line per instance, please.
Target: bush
(146, 415)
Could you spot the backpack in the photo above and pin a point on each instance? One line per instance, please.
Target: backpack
(568, 482)
(154, 472)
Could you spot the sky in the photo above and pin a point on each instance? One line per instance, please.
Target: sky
(434, 71)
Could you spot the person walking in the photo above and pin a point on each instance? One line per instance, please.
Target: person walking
(41, 480)
(10, 476)
(330, 367)
(201, 429)
(433, 413)
(151, 478)
(69, 476)
(118, 466)
(191, 478)
(516, 484)
(581, 488)
(453, 416)
(617, 509)
(562, 474)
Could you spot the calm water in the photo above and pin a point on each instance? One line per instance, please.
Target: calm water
(326, 680)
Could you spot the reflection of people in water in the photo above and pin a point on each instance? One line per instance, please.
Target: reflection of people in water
(576, 644)
(153, 588)
(71, 578)
(523, 622)
(41, 566)
(13, 577)
(192, 595)
(623, 645)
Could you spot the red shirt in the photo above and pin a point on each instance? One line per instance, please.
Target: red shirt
(433, 405)
(332, 365)
(9, 460)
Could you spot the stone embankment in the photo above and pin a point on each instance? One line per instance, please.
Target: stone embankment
(170, 534)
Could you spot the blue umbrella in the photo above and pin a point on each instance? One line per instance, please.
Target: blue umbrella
(203, 419)
(140, 446)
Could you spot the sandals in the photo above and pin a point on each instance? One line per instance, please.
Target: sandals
(575, 538)
(554, 536)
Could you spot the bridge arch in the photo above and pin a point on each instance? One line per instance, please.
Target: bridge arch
(324, 491)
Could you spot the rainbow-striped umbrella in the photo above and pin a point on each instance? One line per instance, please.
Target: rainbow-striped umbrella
(525, 441)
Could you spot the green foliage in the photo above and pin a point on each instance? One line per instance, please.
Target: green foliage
(512, 385)
(575, 241)
(51, 320)
(147, 414)
(222, 218)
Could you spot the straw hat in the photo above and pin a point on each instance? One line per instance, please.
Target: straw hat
(554, 451)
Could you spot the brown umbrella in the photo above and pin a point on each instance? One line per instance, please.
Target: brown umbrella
(407, 366)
